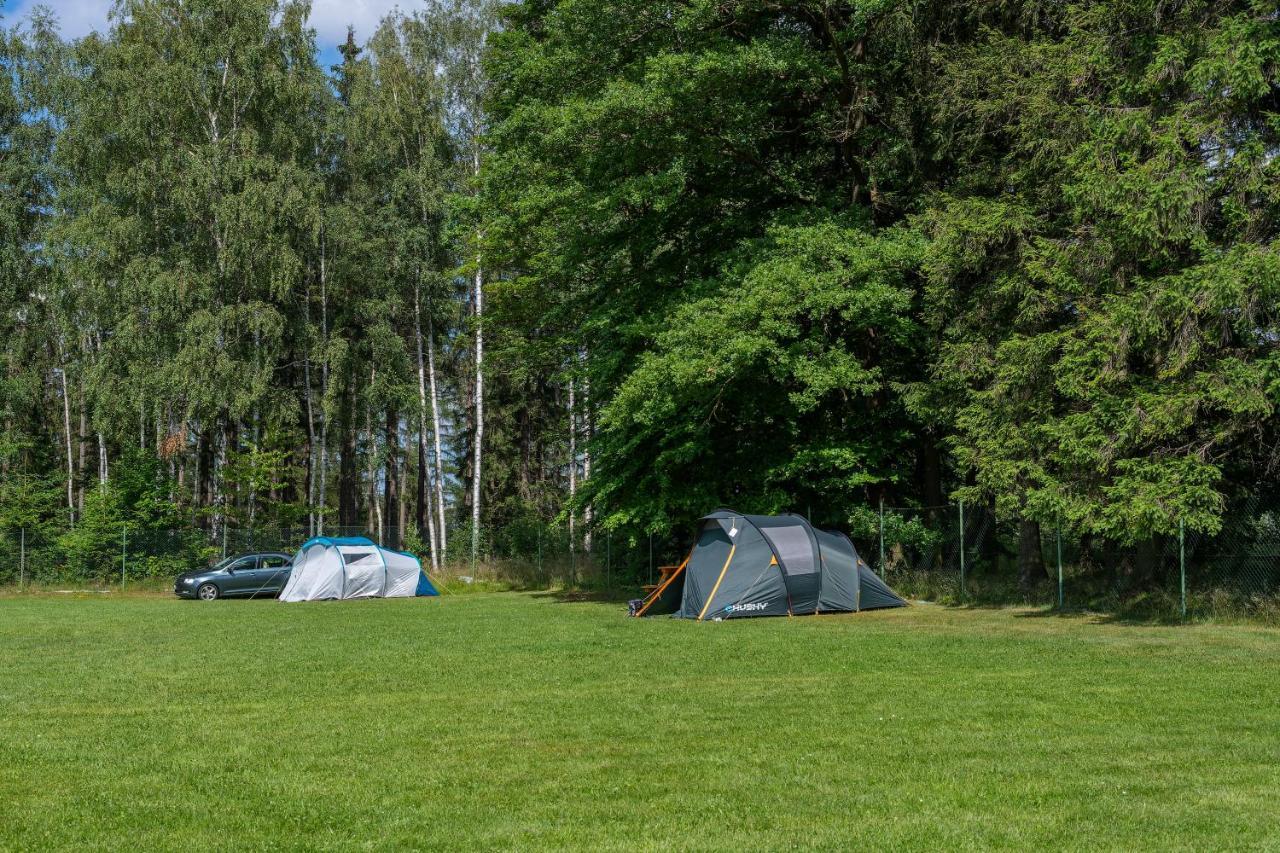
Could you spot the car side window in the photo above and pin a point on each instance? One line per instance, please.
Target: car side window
(246, 565)
(271, 561)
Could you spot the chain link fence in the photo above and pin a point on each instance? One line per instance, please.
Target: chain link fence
(521, 556)
(952, 553)
(961, 553)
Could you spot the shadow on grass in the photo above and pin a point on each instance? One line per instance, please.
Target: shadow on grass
(1133, 620)
(1140, 614)
(575, 596)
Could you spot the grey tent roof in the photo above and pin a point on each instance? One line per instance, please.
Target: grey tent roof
(765, 565)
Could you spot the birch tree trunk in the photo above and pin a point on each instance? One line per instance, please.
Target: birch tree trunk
(71, 473)
(323, 487)
(438, 473)
(476, 467)
(391, 476)
(104, 471)
(573, 461)
(311, 418)
(587, 514)
(82, 444)
(422, 425)
(375, 505)
(195, 467)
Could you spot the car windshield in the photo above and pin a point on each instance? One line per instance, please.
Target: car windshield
(223, 563)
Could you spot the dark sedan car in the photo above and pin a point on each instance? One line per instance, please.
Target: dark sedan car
(245, 575)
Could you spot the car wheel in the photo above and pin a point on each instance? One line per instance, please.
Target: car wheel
(207, 592)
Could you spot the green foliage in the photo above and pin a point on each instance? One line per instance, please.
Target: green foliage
(769, 377)
(1106, 291)
(806, 256)
(94, 548)
(29, 502)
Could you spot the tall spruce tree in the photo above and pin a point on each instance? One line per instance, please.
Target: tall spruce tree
(1103, 278)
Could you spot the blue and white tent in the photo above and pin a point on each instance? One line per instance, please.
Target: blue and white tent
(353, 567)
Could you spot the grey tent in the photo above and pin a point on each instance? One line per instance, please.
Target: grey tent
(767, 565)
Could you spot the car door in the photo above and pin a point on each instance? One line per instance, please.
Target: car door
(273, 570)
(242, 577)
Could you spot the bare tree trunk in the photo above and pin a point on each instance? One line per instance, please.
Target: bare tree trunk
(438, 472)
(479, 440)
(177, 466)
(195, 469)
(587, 512)
(374, 510)
(391, 473)
(1030, 557)
(104, 471)
(311, 418)
(82, 444)
(322, 492)
(424, 517)
(402, 504)
(573, 461)
(424, 491)
(71, 474)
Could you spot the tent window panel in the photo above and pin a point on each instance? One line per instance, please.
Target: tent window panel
(794, 548)
(350, 557)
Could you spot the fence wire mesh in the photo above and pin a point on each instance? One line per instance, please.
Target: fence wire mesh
(524, 556)
(966, 552)
(950, 552)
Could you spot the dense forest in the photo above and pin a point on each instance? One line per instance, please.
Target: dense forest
(613, 263)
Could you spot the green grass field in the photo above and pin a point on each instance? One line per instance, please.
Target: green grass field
(519, 720)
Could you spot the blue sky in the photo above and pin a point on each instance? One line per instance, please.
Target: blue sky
(329, 18)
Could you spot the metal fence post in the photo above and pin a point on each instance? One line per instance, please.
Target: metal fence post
(882, 537)
(124, 553)
(1182, 566)
(22, 559)
(962, 590)
(608, 562)
(1058, 531)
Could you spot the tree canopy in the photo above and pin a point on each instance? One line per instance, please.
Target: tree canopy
(618, 262)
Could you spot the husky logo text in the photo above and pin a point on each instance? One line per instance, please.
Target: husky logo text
(745, 608)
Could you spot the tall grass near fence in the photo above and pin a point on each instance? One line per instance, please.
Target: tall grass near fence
(966, 554)
(954, 553)
(515, 557)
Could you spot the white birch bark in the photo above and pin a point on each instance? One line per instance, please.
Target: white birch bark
(573, 462)
(71, 473)
(311, 419)
(375, 508)
(322, 489)
(587, 512)
(479, 458)
(438, 474)
(423, 454)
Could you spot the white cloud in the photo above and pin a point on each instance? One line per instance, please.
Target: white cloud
(76, 18)
(329, 17)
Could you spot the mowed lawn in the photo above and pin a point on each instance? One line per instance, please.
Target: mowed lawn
(518, 720)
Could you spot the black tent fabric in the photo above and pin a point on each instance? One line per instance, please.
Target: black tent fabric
(768, 565)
